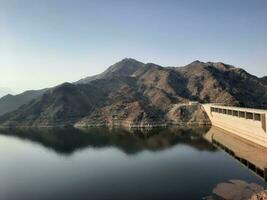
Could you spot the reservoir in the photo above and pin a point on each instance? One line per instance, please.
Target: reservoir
(98, 163)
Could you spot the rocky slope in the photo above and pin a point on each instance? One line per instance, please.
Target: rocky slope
(131, 93)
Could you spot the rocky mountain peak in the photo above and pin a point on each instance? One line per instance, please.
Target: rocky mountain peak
(125, 67)
(196, 62)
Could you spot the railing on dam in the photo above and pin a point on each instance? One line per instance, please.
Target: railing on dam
(245, 113)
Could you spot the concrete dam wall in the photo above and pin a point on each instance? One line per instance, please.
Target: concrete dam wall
(249, 124)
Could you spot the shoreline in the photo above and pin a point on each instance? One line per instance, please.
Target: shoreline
(106, 125)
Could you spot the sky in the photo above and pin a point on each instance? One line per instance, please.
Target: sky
(47, 42)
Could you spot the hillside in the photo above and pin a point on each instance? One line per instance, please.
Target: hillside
(221, 83)
(131, 93)
(10, 102)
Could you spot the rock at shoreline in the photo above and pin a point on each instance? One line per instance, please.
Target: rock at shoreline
(260, 196)
(238, 190)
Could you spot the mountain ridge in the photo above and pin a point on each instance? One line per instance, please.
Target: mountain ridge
(5, 91)
(132, 93)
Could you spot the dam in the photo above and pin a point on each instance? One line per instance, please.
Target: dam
(246, 123)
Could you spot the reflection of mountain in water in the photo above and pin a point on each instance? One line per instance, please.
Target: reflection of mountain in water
(67, 141)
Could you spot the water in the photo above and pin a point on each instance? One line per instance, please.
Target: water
(113, 164)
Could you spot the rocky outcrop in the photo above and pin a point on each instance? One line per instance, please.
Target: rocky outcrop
(238, 190)
(259, 196)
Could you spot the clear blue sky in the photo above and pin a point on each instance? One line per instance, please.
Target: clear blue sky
(47, 42)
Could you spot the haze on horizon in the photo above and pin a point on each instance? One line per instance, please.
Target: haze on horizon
(45, 43)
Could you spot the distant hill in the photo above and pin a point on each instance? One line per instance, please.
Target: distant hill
(10, 102)
(5, 91)
(131, 93)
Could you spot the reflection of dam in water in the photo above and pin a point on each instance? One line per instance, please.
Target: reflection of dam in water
(250, 155)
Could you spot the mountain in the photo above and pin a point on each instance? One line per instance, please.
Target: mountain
(126, 67)
(4, 91)
(134, 94)
(10, 102)
(221, 83)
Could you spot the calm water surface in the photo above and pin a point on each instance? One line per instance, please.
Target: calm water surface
(118, 164)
